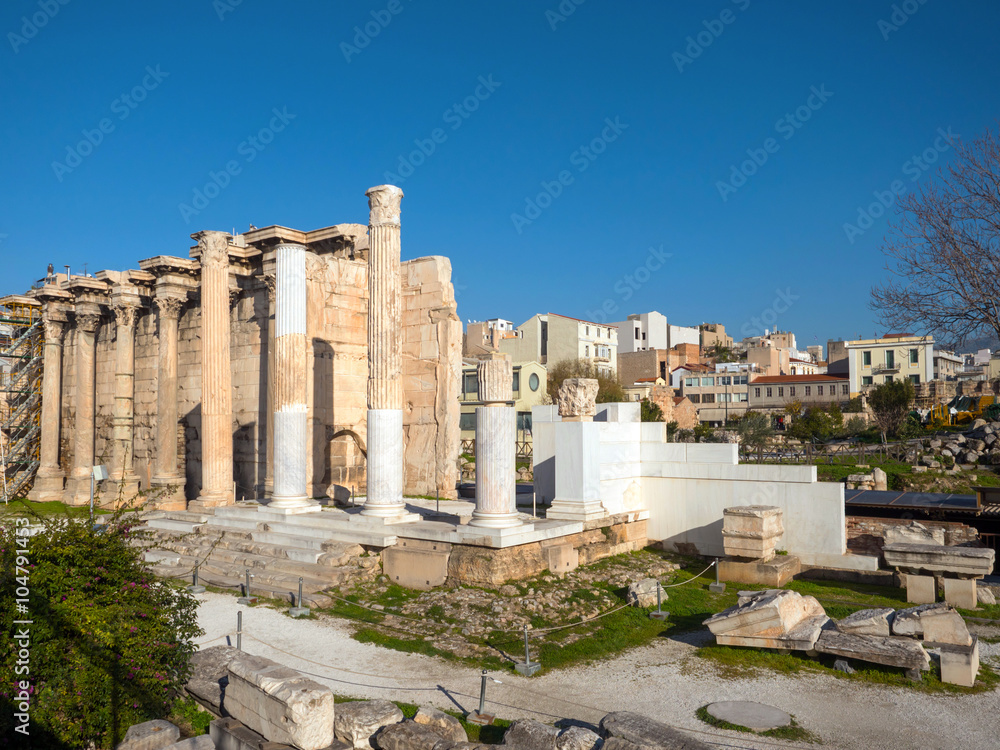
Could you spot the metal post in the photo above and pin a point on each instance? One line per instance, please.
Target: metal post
(196, 588)
(239, 630)
(91, 497)
(528, 668)
(437, 500)
(527, 654)
(482, 695)
(246, 598)
(299, 600)
(718, 587)
(299, 610)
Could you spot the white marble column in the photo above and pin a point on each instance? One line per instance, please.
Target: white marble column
(166, 477)
(50, 477)
(385, 389)
(290, 379)
(216, 374)
(270, 284)
(496, 433)
(124, 484)
(88, 318)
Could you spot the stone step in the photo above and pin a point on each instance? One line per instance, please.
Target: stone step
(256, 561)
(282, 593)
(290, 540)
(249, 513)
(338, 531)
(266, 577)
(161, 557)
(170, 524)
(228, 522)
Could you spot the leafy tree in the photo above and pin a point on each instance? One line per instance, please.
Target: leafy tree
(609, 387)
(672, 428)
(110, 644)
(818, 423)
(942, 251)
(720, 353)
(650, 412)
(890, 405)
(754, 429)
(703, 433)
(854, 427)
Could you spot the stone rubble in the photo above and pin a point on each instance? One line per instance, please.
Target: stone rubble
(150, 735)
(867, 622)
(773, 618)
(356, 722)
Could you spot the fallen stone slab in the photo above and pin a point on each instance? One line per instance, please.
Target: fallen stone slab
(986, 596)
(908, 621)
(357, 722)
(577, 738)
(444, 724)
(150, 735)
(202, 742)
(889, 651)
(528, 734)
(642, 732)
(757, 716)
(210, 675)
(643, 593)
(963, 562)
(408, 735)
(945, 626)
(773, 618)
(867, 622)
(913, 533)
(279, 703)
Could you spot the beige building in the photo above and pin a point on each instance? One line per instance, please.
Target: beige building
(483, 337)
(528, 387)
(894, 356)
(775, 392)
(947, 365)
(548, 338)
(718, 393)
(714, 333)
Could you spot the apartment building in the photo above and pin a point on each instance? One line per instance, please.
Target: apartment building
(882, 360)
(718, 392)
(642, 332)
(774, 392)
(548, 338)
(528, 385)
(655, 363)
(947, 365)
(712, 334)
(483, 337)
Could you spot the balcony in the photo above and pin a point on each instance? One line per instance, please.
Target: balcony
(880, 369)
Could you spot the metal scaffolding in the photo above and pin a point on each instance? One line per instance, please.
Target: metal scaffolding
(21, 341)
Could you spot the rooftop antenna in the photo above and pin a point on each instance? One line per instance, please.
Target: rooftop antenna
(67, 270)
(84, 270)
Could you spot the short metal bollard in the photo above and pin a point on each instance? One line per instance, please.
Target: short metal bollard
(480, 717)
(298, 610)
(239, 631)
(659, 614)
(195, 587)
(246, 598)
(718, 587)
(527, 667)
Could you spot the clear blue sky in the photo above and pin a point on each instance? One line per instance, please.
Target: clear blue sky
(220, 70)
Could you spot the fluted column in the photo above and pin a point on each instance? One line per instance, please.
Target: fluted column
(50, 477)
(290, 373)
(88, 318)
(496, 433)
(385, 388)
(124, 483)
(271, 284)
(216, 374)
(166, 476)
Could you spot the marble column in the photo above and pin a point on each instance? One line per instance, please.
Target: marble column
(385, 389)
(290, 378)
(88, 318)
(50, 477)
(166, 478)
(270, 284)
(216, 374)
(124, 484)
(496, 434)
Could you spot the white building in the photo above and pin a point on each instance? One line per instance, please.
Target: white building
(643, 331)
(894, 356)
(549, 338)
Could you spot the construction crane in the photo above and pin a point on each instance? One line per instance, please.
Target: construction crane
(21, 340)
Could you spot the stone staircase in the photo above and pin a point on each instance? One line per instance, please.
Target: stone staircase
(277, 549)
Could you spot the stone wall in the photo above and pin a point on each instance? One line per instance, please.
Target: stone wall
(865, 534)
(337, 374)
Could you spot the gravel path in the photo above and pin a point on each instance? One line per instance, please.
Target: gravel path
(660, 680)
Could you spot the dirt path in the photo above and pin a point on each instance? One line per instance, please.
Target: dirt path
(662, 680)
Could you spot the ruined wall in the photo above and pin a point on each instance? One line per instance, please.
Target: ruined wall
(866, 535)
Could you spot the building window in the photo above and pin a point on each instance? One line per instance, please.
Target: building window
(636, 334)
(914, 356)
(586, 351)
(915, 379)
(588, 329)
(791, 390)
(808, 390)
(866, 380)
(524, 421)
(643, 335)
(756, 392)
(866, 359)
(819, 390)
(888, 378)
(769, 393)
(467, 422)
(533, 382)
(690, 382)
(708, 398)
(890, 358)
(471, 383)
(843, 390)
(781, 392)
(516, 385)
(694, 398)
(708, 381)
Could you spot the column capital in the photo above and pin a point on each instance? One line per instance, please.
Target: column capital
(496, 379)
(125, 314)
(213, 247)
(88, 318)
(54, 330)
(271, 284)
(384, 205)
(169, 308)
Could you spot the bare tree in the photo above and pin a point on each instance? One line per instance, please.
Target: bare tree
(943, 250)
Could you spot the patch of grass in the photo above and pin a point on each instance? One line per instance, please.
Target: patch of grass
(190, 718)
(23, 507)
(792, 732)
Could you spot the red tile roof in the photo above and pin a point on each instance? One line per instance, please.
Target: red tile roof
(782, 379)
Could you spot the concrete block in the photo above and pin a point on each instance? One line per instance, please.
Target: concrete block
(920, 589)
(774, 573)
(961, 592)
(960, 664)
(417, 564)
(562, 558)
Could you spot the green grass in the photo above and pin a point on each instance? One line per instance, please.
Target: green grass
(190, 717)
(53, 509)
(897, 473)
(489, 735)
(792, 732)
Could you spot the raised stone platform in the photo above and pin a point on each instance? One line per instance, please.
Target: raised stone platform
(774, 573)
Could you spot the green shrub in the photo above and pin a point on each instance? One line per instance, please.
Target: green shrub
(109, 643)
